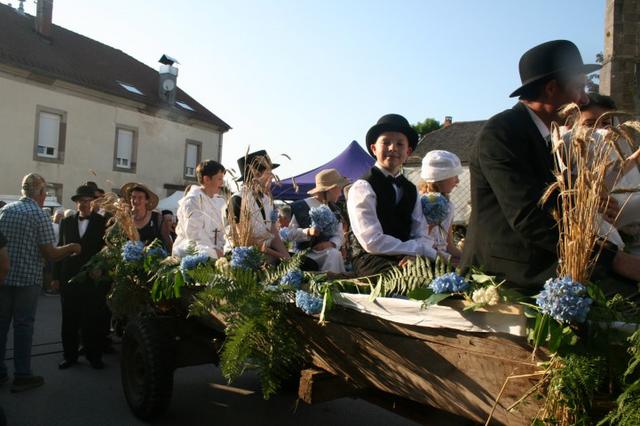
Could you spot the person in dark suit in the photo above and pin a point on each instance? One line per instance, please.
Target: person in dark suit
(510, 234)
(83, 303)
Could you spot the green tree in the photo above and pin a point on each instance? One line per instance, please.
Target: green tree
(426, 126)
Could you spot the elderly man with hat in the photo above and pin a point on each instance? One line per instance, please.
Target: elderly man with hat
(83, 304)
(252, 208)
(324, 250)
(384, 208)
(510, 234)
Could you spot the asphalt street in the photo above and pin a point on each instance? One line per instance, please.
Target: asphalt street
(83, 396)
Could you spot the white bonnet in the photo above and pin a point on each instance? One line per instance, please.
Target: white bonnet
(439, 165)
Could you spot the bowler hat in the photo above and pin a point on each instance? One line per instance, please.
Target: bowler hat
(84, 191)
(258, 160)
(550, 58)
(328, 179)
(392, 123)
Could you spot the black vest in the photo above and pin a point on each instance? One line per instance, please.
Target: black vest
(300, 210)
(395, 219)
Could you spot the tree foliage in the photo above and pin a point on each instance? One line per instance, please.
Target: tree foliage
(426, 126)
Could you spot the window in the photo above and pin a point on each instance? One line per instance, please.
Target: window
(124, 149)
(124, 156)
(191, 158)
(130, 88)
(185, 106)
(54, 190)
(50, 130)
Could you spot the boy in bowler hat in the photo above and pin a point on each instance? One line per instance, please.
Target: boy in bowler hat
(384, 209)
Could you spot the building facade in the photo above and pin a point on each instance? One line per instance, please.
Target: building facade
(70, 118)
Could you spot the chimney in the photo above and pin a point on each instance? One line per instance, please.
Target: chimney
(167, 81)
(43, 18)
(448, 120)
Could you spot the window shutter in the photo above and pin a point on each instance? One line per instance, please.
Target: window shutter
(191, 160)
(48, 134)
(125, 148)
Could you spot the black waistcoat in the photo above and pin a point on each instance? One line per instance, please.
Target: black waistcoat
(394, 218)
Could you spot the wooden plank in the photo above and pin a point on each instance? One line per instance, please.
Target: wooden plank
(319, 386)
(458, 372)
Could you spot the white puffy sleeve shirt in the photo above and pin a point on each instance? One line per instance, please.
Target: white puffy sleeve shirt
(200, 223)
(361, 206)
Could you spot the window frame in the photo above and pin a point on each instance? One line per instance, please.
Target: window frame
(133, 161)
(198, 145)
(62, 135)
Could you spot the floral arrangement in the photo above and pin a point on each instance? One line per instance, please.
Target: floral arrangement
(564, 300)
(323, 219)
(133, 251)
(292, 278)
(310, 304)
(435, 207)
(449, 283)
(246, 258)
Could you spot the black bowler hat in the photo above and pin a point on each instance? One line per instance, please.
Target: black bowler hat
(392, 123)
(547, 59)
(259, 160)
(84, 191)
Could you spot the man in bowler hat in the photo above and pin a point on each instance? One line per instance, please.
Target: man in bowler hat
(83, 303)
(384, 209)
(511, 166)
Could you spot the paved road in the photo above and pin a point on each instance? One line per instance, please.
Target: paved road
(83, 396)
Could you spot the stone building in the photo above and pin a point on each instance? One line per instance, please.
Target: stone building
(620, 74)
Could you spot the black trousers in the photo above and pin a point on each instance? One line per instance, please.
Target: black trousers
(365, 264)
(83, 312)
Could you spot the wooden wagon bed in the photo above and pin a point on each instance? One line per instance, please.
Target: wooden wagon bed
(455, 371)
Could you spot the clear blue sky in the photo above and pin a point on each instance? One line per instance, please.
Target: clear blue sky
(307, 77)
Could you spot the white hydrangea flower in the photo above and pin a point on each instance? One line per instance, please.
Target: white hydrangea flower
(486, 296)
(222, 263)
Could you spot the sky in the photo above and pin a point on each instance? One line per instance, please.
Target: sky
(306, 77)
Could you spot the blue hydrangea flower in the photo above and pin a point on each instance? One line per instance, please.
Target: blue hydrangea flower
(192, 261)
(132, 251)
(564, 300)
(284, 234)
(323, 219)
(246, 258)
(309, 303)
(157, 252)
(435, 207)
(274, 215)
(449, 283)
(293, 278)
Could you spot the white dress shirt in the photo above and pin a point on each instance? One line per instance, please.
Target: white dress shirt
(361, 206)
(82, 226)
(200, 223)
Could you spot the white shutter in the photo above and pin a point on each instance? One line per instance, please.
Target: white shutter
(191, 161)
(124, 149)
(48, 134)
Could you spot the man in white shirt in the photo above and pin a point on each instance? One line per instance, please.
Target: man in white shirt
(384, 209)
(200, 213)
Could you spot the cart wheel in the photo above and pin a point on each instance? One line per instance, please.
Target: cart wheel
(147, 368)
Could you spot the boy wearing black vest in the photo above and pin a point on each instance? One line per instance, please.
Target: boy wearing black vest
(384, 209)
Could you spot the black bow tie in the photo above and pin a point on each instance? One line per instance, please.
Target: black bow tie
(395, 180)
(80, 218)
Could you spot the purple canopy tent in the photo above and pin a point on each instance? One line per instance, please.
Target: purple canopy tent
(352, 163)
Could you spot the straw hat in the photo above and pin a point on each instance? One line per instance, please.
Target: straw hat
(128, 188)
(328, 179)
(439, 165)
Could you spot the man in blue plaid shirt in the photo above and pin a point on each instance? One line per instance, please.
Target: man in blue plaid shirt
(30, 241)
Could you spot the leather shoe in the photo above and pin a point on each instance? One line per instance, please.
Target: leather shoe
(66, 363)
(96, 364)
